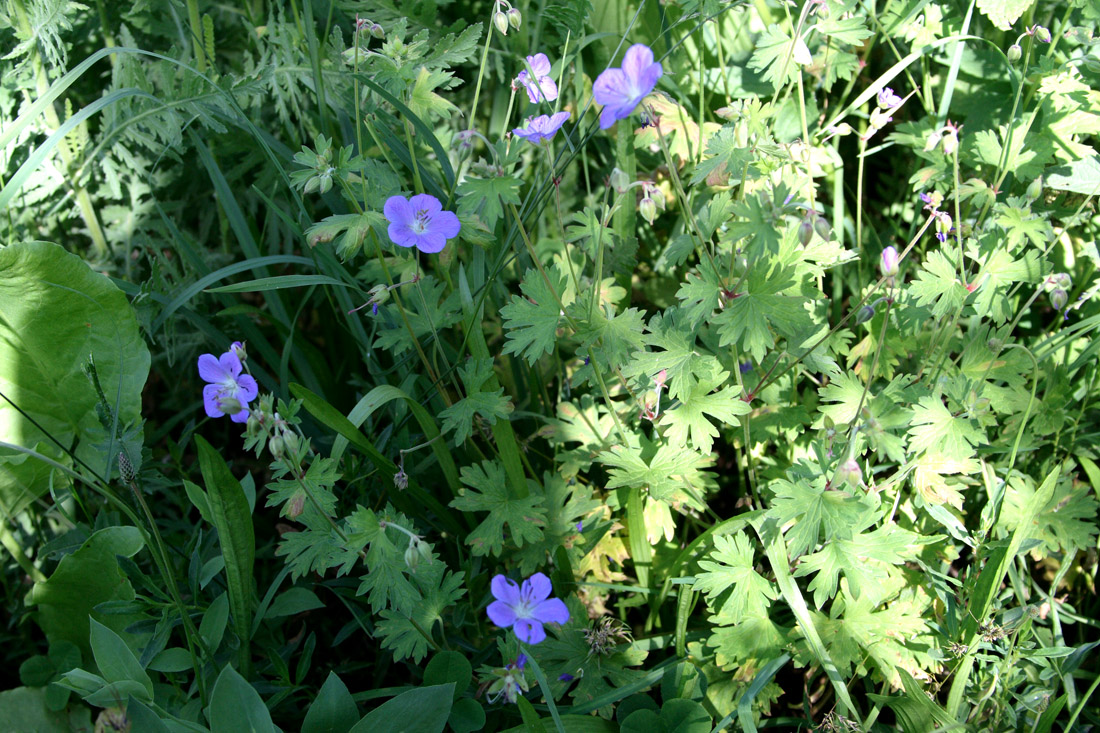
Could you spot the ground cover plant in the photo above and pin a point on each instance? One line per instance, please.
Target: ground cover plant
(550, 365)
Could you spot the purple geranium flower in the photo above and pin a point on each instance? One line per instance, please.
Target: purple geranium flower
(621, 90)
(229, 391)
(542, 86)
(888, 100)
(541, 128)
(420, 222)
(526, 609)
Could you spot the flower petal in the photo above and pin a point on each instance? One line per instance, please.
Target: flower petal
(210, 399)
(231, 363)
(397, 211)
(536, 588)
(610, 114)
(649, 79)
(539, 64)
(446, 224)
(241, 416)
(529, 631)
(549, 88)
(551, 611)
(558, 119)
(247, 388)
(611, 88)
(501, 614)
(505, 589)
(425, 202)
(431, 242)
(400, 235)
(636, 61)
(210, 369)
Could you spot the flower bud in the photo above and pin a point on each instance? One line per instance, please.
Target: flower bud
(1062, 280)
(823, 11)
(500, 20)
(412, 556)
(1035, 188)
(377, 32)
(879, 118)
(865, 314)
(401, 479)
(821, 226)
(647, 207)
(619, 181)
(379, 294)
(276, 444)
(943, 223)
(842, 129)
(291, 445)
(995, 345)
(514, 18)
(1042, 33)
(238, 348)
(230, 405)
(933, 141)
(1058, 299)
(805, 231)
(888, 264)
(295, 506)
(950, 142)
(425, 551)
(848, 472)
(1015, 52)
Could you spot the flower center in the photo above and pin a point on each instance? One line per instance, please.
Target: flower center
(421, 221)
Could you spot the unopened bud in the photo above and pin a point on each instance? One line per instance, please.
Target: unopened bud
(647, 207)
(291, 444)
(295, 506)
(879, 118)
(821, 226)
(379, 294)
(230, 405)
(619, 181)
(412, 556)
(377, 31)
(276, 445)
(238, 348)
(950, 142)
(823, 11)
(401, 479)
(848, 472)
(865, 314)
(1015, 52)
(514, 18)
(933, 141)
(1042, 33)
(1062, 280)
(995, 345)
(500, 20)
(1058, 299)
(1035, 188)
(888, 264)
(805, 231)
